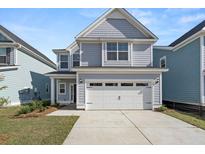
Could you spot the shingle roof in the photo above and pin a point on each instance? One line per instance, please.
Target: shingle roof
(61, 72)
(23, 43)
(189, 33)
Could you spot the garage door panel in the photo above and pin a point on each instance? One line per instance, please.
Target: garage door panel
(118, 97)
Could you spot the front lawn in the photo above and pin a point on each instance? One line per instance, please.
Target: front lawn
(38, 130)
(187, 117)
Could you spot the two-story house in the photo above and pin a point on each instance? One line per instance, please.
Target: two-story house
(109, 66)
(184, 83)
(22, 70)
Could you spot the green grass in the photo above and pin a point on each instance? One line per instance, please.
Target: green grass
(42, 130)
(187, 117)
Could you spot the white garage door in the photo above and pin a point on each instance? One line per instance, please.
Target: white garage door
(118, 95)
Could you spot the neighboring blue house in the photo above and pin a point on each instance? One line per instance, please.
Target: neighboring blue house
(22, 68)
(109, 66)
(185, 59)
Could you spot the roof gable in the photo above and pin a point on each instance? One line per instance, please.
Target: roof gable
(111, 19)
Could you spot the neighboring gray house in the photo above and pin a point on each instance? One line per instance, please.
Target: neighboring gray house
(109, 66)
(23, 69)
(185, 59)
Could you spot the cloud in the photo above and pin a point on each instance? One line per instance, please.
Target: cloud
(191, 18)
(146, 17)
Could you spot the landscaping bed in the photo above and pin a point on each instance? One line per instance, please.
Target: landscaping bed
(32, 126)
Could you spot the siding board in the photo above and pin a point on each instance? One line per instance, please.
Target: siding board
(116, 28)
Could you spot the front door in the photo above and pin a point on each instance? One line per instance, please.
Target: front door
(73, 93)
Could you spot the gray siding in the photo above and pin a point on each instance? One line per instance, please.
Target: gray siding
(141, 55)
(30, 74)
(116, 28)
(182, 82)
(83, 77)
(12, 57)
(91, 54)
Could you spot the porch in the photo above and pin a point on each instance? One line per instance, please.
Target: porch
(63, 87)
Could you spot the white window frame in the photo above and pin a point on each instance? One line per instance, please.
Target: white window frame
(128, 52)
(4, 56)
(165, 59)
(75, 60)
(64, 84)
(63, 54)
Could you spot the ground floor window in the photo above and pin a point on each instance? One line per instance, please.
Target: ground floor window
(62, 88)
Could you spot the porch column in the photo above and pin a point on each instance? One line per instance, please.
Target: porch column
(52, 91)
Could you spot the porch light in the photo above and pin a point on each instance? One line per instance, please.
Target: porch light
(81, 81)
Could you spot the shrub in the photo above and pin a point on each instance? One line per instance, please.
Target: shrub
(161, 108)
(4, 101)
(24, 109)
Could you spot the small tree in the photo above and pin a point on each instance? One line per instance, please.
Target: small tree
(3, 100)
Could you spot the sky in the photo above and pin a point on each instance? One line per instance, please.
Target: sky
(47, 29)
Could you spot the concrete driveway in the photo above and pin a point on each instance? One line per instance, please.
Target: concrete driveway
(130, 127)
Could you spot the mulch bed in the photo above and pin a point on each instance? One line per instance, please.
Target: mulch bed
(38, 113)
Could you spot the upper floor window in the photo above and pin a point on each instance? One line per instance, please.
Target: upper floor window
(163, 62)
(64, 61)
(117, 51)
(4, 56)
(76, 59)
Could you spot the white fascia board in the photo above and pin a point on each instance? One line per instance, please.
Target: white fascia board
(67, 76)
(7, 68)
(4, 44)
(97, 39)
(71, 46)
(120, 70)
(57, 51)
(163, 48)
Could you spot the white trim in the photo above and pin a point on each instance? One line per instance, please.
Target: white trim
(53, 89)
(152, 97)
(16, 56)
(77, 91)
(3, 68)
(131, 53)
(63, 54)
(103, 53)
(65, 89)
(151, 57)
(60, 76)
(128, 52)
(202, 69)
(165, 59)
(99, 39)
(120, 70)
(80, 54)
(167, 48)
(160, 82)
